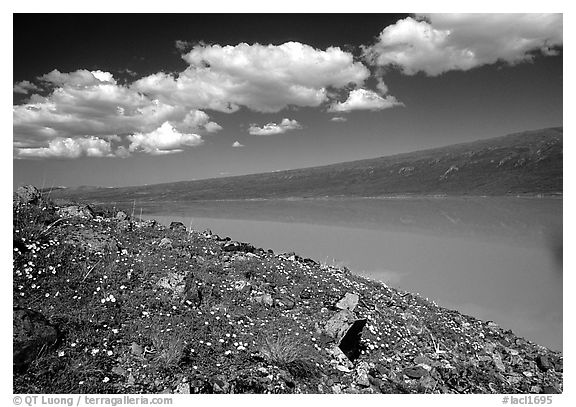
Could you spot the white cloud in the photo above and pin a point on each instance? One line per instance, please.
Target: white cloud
(81, 77)
(91, 104)
(69, 148)
(364, 99)
(164, 140)
(264, 78)
(273, 128)
(237, 144)
(24, 87)
(338, 119)
(437, 43)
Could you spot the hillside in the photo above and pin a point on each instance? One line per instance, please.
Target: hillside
(108, 304)
(521, 163)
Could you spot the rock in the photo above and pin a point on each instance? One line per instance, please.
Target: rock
(31, 334)
(415, 372)
(121, 215)
(238, 247)
(76, 211)
(284, 301)
(349, 302)
(406, 171)
(544, 363)
(337, 389)
(166, 243)
(550, 390)
(423, 360)
(136, 349)
(498, 362)
(182, 388)
(265, 299)
(28, 194)
(536, 389)
(450, 171)
(362, 374)
(174, 282)
(220, 385)
(428, 382)
(178, 226)
(346, 330)
(341, 361)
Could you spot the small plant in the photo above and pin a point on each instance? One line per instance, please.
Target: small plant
(289, 353)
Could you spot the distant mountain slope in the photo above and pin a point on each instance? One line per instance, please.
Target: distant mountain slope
(523, 163)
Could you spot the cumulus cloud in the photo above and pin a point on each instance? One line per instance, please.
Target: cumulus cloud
(437, 43)
(69, 148)
(364, 99)
(24, 87)
(264, 78)
(237, 144)
(92, 104)
(164, 140)
(338, 119)
(273, 128)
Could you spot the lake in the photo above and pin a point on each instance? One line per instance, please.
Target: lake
(494, 258)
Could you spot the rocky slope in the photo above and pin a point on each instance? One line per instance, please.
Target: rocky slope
(524, 163)
(108, 304)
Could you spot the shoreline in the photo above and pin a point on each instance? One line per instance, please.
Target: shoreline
(204, 314)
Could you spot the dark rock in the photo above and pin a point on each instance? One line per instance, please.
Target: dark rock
(415, 372)
(178, 226)
(238, 247)
(32, 334)
(544, 363)
(346, 330)
(348, 302)
(550, 390)
(28, 194)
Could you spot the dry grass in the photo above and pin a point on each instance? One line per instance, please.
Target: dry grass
(289, 353)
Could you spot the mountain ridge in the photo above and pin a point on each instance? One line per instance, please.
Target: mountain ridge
(528, 162)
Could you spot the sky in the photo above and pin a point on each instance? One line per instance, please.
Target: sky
(133, 99)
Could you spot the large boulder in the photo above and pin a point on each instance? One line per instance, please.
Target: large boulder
(346, 330)
(31, 335)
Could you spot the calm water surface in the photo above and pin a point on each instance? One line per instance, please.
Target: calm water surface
(496, 259)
